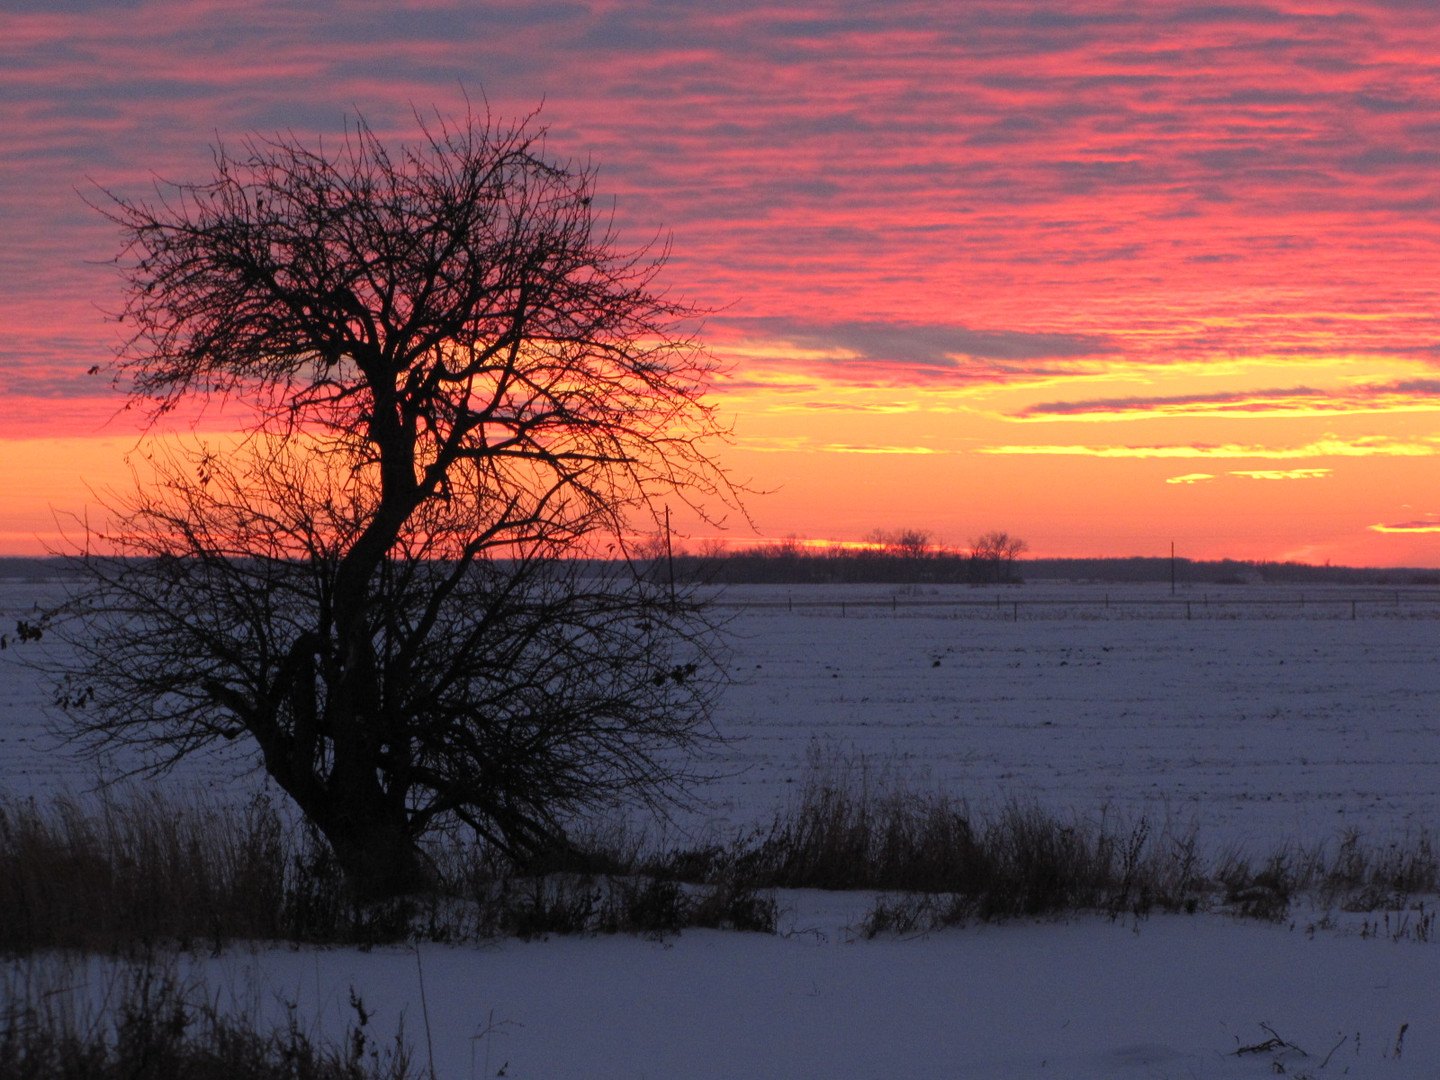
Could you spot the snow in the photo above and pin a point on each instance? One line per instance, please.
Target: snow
(1173, 997)
(1256, 722)
(1260, 723)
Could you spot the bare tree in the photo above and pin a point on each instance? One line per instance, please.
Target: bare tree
(904, 543)
(993, 555)
(453, 377)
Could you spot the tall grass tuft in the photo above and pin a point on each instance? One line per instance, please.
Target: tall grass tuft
(848, 830)
(124, 871)
(135, 867)
(855, 827)
(93, 873)
(145, 1023)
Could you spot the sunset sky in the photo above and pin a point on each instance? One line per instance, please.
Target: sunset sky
(1104, 275)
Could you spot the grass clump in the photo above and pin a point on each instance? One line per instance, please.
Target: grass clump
(134, 867)
(122, 871)
(647, 905)
(90, 873)
(937, 863)
(847, 831)
(147, 1024)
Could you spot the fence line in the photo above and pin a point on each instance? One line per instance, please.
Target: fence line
(1373, 604)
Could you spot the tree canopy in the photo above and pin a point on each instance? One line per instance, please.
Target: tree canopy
(452, 376)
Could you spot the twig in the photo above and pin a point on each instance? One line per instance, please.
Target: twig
(1343, 1040)
(491, 1028)
(1275, 1042)
(425, 1012)
(1400, 1041)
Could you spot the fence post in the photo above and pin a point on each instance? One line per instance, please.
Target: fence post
(1187, 609)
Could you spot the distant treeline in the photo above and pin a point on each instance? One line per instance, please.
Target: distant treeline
(1224, 572)
(787, 564)
(22, 568)
(800, 566)
(829, 566)
(779, 564)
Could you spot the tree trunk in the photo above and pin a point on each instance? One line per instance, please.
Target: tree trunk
(375, 851)
(368, 830)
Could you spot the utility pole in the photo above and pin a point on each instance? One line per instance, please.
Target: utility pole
(669, 553)
(1172, 567)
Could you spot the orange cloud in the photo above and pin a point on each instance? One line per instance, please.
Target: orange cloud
(1407, 527)
(809, 446)
(851, 448)
(1365, 446)
(1254, 474)
(1410, 395)
(1283, 474)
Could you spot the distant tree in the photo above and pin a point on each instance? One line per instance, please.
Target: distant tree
(455, 383)
(905, 543)
(788, 547)
(993, 555)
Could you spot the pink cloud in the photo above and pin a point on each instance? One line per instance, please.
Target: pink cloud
(1080, 171)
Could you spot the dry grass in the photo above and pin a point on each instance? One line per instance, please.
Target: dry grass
(847, 831)
(145, 1023)
(854, 826)
(92, 873)
(122, 872)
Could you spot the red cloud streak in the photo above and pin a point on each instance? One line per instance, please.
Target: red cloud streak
(1182, 181)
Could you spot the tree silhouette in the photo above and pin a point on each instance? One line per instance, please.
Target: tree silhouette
(993, 555)
(456, 383)
(904, 543)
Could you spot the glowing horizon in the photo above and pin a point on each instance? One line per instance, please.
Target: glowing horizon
(1098, 276)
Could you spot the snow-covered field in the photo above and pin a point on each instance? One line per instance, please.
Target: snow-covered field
(1289, 717)
(1258, 719)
